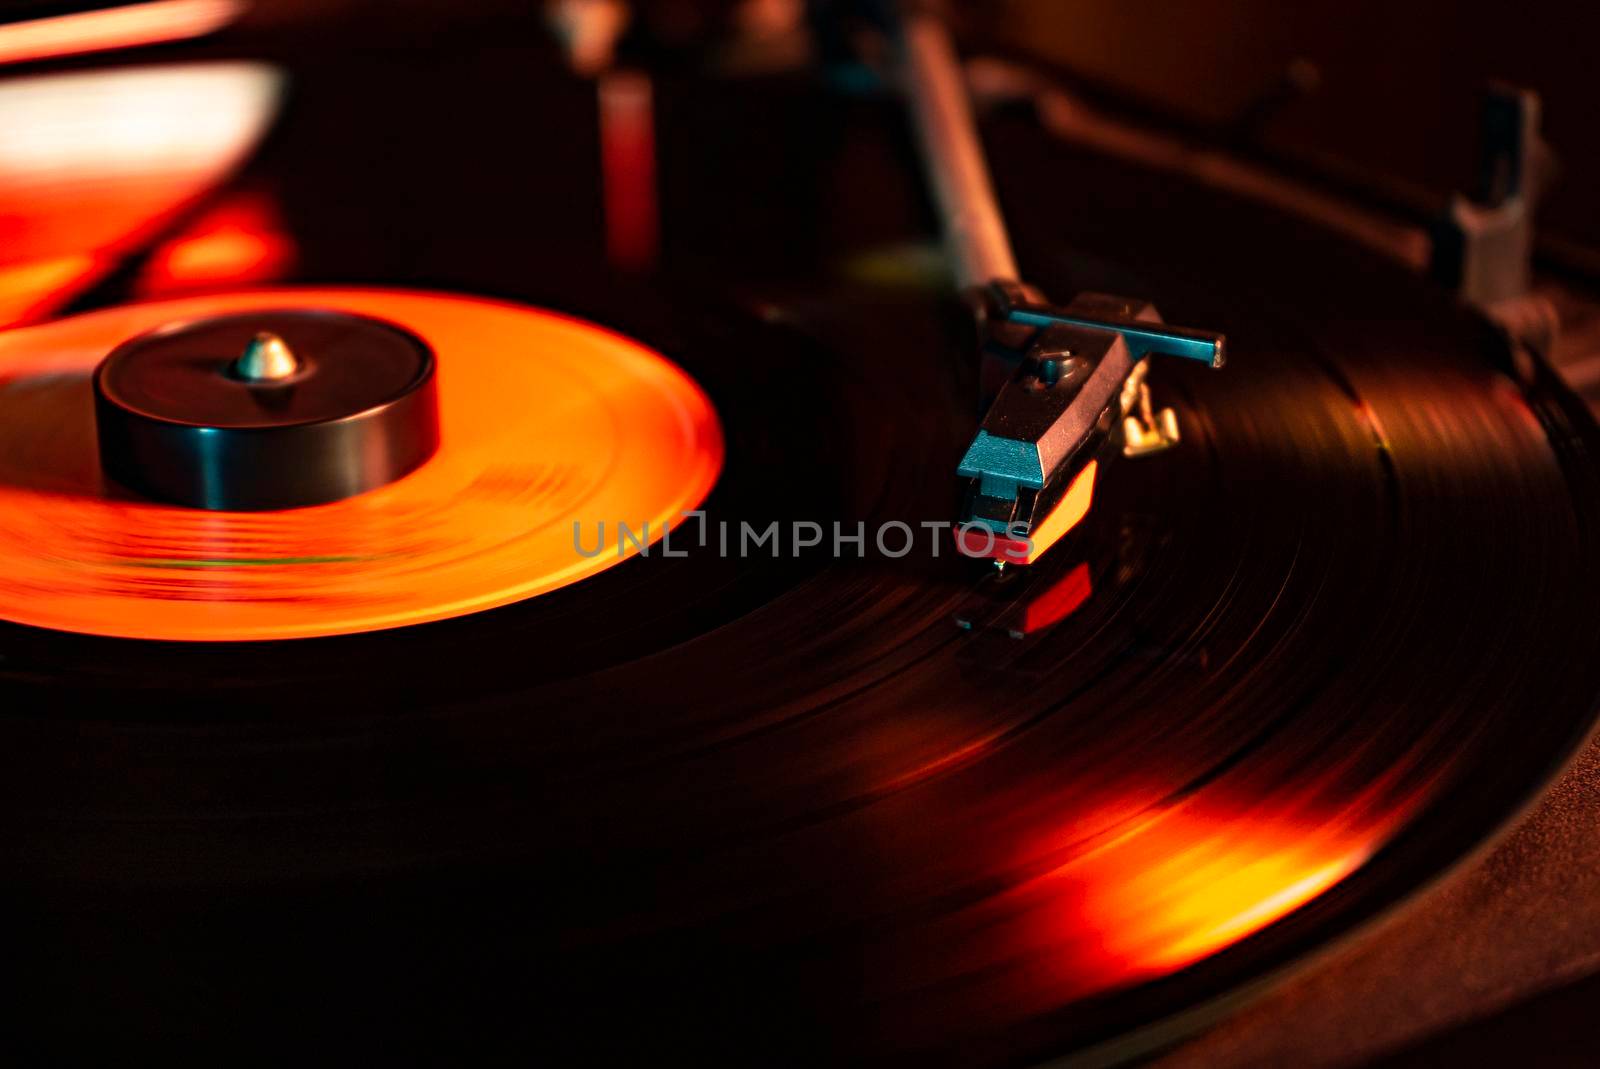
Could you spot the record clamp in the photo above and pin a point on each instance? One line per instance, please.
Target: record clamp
(273, 409)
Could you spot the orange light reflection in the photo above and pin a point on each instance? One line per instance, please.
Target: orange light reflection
(241, 240)
(1060, 601)
(94, 161)
(155, 22)
(36, 288)
(1129, 889)
(1191, 880)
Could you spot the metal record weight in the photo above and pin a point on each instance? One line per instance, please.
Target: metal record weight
(266, 410)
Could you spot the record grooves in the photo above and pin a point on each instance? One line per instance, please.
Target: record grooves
(807, 808)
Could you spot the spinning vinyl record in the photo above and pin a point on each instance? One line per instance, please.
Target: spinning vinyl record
(409, 771)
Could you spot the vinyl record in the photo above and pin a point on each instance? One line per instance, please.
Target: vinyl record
(769, 806)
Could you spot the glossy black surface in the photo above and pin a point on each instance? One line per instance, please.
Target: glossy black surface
(773, 811)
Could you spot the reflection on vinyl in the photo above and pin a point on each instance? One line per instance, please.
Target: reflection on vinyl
(546, 421)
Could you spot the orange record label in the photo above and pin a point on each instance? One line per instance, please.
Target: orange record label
(545, 422)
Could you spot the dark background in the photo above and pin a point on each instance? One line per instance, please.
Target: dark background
(1395, 104)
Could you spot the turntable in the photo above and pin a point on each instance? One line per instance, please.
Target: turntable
(764, 534)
